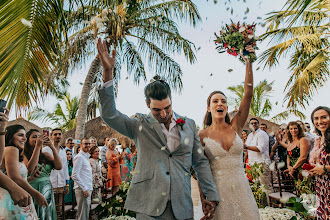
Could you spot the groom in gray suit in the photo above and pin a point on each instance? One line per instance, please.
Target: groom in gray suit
(160, 187)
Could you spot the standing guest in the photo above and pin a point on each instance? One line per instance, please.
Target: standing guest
(297, 154)
(127, 166)
(33, 157)
(264, 127)
(16, 170)
(307, 127)
(70, 197)
(320, 155)
(280, 146)
(59, 178)
(103, 152)
(69, 146)
(114, 159)
(309, 136)
(97, 174)
(93, 141)
(245, 134)
(257, 145)
(12, 196)
(83, 180)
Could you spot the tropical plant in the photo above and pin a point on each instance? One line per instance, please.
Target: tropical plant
(141, 32)
(261, 105)
(31, 32)
(63, 117)
(300, 30)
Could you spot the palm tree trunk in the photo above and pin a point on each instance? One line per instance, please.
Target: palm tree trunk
(82, 111)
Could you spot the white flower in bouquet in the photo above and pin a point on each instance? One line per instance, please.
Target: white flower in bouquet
(241, 29)
(277, 213)
(119, 198)
(280, 165)
(304, 173)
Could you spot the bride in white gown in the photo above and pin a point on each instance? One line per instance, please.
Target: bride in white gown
(224, 149)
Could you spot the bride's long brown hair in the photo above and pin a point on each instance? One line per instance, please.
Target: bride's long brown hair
(208, 116)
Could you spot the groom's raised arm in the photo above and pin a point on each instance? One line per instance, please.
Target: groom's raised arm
(115, 119)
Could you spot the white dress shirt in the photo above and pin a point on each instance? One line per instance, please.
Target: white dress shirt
(172, 134)
(82, 172)
(58, 178)
(259, 139)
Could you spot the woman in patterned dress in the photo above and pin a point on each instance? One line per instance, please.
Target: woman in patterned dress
(16, 170)
(320, 158)
(97, 174)
(127, 166)
(33, 157)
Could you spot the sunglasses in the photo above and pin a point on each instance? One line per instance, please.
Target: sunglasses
(68, 154)
(253, 123)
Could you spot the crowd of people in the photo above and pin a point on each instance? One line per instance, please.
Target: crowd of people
(39, 175)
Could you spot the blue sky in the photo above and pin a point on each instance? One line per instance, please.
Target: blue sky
(198, 82)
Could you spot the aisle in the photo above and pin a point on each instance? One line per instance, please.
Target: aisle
(198, 213)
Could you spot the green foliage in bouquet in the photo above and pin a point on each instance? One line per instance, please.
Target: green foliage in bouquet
(253, 174)
(115, 207)
(295, 204)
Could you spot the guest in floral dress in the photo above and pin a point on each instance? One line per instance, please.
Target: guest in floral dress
(114, 159)
(320, 158)
(10, 192)
(297, 155)
(17, 171)
(33, 157)
(97, 174)
(127, 166)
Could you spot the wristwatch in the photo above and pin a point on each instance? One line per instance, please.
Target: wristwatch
(325, 169)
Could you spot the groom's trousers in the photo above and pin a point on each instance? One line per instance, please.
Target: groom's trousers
(167, 215)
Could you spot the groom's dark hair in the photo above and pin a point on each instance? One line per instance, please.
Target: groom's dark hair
(158, 90)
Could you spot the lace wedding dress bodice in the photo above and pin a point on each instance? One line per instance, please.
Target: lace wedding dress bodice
(236, 199)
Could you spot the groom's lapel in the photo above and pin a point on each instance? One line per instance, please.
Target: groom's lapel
(182, 133)
(156, 126)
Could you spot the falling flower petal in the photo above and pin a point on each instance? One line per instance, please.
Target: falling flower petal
(163, 148)
(200, 151)
(140, 128)
(267, 88)
(230, 70)
(163, 193)
(186, 141)
(26, 22)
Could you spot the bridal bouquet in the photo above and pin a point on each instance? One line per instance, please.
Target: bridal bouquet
(234, 38)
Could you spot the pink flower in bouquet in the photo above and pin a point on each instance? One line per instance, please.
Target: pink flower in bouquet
(232, 51)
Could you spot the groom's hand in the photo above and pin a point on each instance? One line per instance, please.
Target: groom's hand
(208, 209)
(108, 63)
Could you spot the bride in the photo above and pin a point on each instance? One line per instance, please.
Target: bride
(224, 149)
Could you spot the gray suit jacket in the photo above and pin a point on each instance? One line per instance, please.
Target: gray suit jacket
(159, 174)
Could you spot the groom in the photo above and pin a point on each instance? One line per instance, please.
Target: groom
(161, 187)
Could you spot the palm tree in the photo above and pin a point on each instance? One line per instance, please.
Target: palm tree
(300, 30)
(31, 32)
(141, 32)
(62, 117)
(260, 104)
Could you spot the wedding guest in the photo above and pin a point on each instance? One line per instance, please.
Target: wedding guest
(83, 180)
(97, 174)
(320, 158)
(308, 127)
(127, 166)
(224, 150)
(33, 157)
(257, 145)
(245, 134)
(271, 143)
(280, 146)
(114, 159)
(93, 141)
(12, 196)
(309, 136)
(16, 170)
(69, 146)
(59, 178)
(103, 152)
(70, 197)
(297, 154)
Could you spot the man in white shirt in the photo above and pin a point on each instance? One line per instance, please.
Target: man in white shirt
(69, 146)
(59, 178)
(83, 180)
(257, 144)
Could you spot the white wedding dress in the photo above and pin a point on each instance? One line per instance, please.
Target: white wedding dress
(236, 198)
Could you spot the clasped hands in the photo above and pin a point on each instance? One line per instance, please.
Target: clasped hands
(208, 209)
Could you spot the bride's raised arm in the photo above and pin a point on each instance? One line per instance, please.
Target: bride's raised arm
(244, 108)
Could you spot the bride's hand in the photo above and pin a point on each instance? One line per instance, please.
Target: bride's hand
(250, 49)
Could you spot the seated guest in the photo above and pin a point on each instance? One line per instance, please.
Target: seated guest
(97, 174)
(321, 155)
(70, 197)
(297, 154)
(114, 159)
(83, 180)
(16, 170)
(12, 196)
(33, 157)
(69, 146)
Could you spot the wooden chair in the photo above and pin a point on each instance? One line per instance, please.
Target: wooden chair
(60, 208)
(276, 198)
